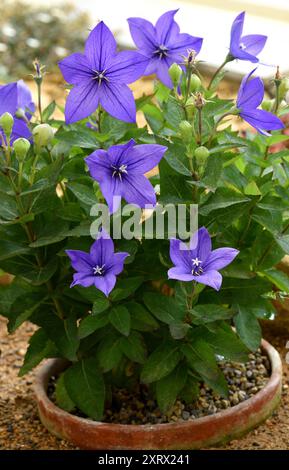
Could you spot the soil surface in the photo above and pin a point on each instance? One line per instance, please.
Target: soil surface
(20, 427)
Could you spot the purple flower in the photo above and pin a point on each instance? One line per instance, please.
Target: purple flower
(162, 44)
(100, 76)
(14, 96)
(199, 263)
(250, 96)
(245, 47)
(120, 172)
(100, 266)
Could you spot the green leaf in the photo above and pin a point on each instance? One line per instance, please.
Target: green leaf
(134, 347)
(252, 189)
(40, 347)
(63, 333)
(63, 400)
(100, 305)
(119, 317)
(248, 328)
(82, 137)
(202, 359)
(83, 193)
(278, 278)
(283, 242)
(125, 287)
(164, 308)
(23, 308)
(222, 198)
(174, 112)
(168, 388)
(208, 313)
(160, 363)
(52, 233)
(225, 342)
(179, 330)
(92, 323)
(9, 249)
(47, 113)
(109, 352)
(271, 220)
(176, 157)
(85, 386)
(141, 319)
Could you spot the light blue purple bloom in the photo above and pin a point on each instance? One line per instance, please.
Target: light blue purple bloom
(120, 172)
(198, 262)
(100, 77)
(162, 44)
(100, 266)
(250, 96)
(16, 99)
(245, 47)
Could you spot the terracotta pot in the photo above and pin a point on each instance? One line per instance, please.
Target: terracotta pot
(199, 433)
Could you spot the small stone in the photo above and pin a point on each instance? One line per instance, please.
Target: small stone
(185, 415)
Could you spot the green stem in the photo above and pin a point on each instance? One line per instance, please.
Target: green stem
(215, 128)
(229, 58)
(39, 101)
(277, 98)
(269, 247)
(199, 141)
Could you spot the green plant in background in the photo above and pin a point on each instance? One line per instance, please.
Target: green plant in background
(131, 333)
(29, 31)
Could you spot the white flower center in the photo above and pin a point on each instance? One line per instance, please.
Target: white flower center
(197, 270)
(100, 76)
(98, 270)
(162, 51)
(118, 171)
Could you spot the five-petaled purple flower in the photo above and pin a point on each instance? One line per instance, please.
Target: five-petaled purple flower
(100, 266)
(120, 172)
(162, 44)
(245, 47)
(250, 96)
(100, 76)
(198, 262)
(16, 99)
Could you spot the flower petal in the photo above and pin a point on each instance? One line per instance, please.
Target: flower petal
(20, 129)
(180, 255)
(82, 101)
(254, 43)
(143, 34)
(116, 266)
(144, 157)
(111, 189)
(210, 278)
(179, 274)
(127, 67)
(99, 164)
(162, 71)
(251, 92)
(261, 120)
(220, 258)
(100, 46)
(8, 98)
(105, 283)
(166, 27)
(201, 244)
(75, 68)
(102, 250)
(118, 101)
(181, 46)
(24, 101)
(80, 260)
(82, 279)
(236, 32)
(136, 189)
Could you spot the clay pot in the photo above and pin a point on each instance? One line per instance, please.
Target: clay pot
(196, 434)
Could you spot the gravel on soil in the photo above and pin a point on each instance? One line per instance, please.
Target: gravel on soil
(20, 427)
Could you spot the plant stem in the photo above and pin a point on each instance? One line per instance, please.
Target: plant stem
(199, 126)
(230, 113)
(277, 98)
(39, 101)
(269, 247)
(229, 58)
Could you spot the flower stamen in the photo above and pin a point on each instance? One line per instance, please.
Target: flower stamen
(98, 270)
(118, 171)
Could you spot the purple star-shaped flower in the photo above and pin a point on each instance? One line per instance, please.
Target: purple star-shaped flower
(245, 47)
(100, 266)
(199, 263)
(100, 76)
(13, 97)
(120, 172)
(162, 44)
(250, 96)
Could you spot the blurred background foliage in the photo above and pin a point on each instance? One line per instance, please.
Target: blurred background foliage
(38, 31)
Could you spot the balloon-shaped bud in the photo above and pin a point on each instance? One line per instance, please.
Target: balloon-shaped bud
(42, 134)
(6, 122)
(186, 131)
(175, 73)
(21, 147)
(195, 84)
(201, 155)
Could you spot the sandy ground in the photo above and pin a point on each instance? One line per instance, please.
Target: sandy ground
(20, 427)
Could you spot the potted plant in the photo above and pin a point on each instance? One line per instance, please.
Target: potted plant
(152, 346)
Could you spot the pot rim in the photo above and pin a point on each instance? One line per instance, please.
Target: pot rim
(52, 366)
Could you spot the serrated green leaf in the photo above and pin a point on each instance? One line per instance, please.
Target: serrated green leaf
(168, 388)
(119, 317)
(160, 363)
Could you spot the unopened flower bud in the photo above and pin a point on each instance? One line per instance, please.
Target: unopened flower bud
(20, 113)
(190, 107)
(195, 84)
(201, 155)
(6, 122)
(175, 72)
(186, 131)
(199, 100)
(43, 134)
(267, 105)
(21, 147)
(284, 87)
